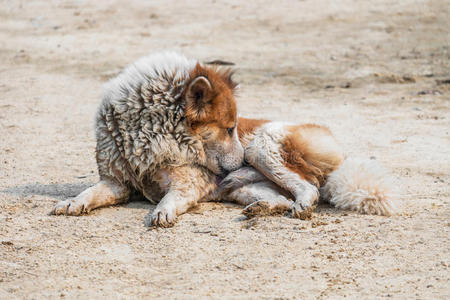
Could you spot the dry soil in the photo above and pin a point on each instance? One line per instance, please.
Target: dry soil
(376, 72)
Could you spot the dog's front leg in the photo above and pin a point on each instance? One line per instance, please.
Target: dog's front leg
(107, 192)
(184, 187)
(174, 203)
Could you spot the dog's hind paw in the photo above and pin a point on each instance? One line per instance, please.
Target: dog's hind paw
(299, 212)
(266, 208)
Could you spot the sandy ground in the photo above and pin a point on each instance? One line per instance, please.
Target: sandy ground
(373, 71)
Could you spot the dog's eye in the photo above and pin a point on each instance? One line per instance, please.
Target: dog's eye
(230, 131)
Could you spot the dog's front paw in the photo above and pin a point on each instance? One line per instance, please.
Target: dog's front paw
(71, 207)
(162, 216)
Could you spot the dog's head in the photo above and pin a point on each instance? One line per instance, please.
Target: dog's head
(211, 115)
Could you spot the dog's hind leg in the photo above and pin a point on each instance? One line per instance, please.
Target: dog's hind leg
(105, 193)
(261, 198)
(239, 178)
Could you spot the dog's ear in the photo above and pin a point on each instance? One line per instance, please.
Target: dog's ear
(199, 94)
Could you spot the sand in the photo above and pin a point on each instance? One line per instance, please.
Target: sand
(376, 72)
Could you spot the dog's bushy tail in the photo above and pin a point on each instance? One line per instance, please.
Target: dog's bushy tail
(361, 185)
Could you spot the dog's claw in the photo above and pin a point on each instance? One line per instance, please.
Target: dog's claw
(161, 217)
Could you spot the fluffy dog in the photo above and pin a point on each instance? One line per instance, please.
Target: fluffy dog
(166, 125)
(303, 162)
(167, 129)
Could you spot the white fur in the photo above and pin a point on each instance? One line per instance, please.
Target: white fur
(264, 154)
(261, 193)
(154, 66)
(361, 185)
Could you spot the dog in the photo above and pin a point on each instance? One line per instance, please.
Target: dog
(291, 166)
(166, 127)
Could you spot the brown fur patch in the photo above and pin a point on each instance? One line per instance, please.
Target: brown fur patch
(213, 111)
(215, 104)
(311, 151)
(246, 127)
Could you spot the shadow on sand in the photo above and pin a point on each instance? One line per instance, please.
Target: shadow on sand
(59, 191)
(63, 191)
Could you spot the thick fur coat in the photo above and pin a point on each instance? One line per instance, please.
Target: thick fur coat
(159, 117)
(140, 125)
(167, 127)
